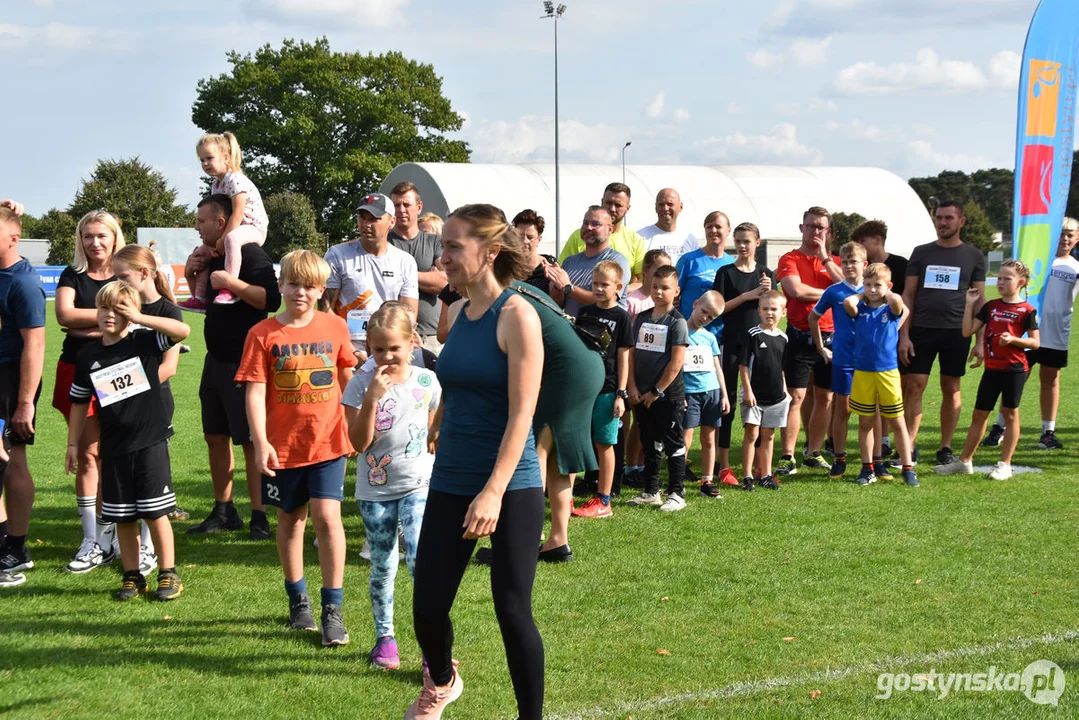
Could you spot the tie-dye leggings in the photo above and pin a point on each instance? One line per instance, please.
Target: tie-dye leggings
(380, 520)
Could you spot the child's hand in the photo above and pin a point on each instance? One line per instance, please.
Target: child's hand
(826, 353)
(220, 280)
(266, 459)
(71, 459)
(726, 407)
(748, 398)
(1006, 338)
(766, 284)
(129, 310)
(379, 384)
(973, 294)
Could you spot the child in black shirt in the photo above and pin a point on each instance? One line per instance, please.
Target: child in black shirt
(122, 372)
(765, 401)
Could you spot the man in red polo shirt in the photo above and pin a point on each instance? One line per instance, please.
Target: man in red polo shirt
(805, 273)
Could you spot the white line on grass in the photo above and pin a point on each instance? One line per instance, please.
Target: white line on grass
(750, 687)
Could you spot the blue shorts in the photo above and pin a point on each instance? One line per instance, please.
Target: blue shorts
(704, 409)
(291, 489)
(842, 379)
(604, 423)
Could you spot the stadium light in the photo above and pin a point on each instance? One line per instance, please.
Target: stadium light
(553, 13)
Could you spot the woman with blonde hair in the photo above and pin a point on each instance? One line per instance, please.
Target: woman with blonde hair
(97, 238)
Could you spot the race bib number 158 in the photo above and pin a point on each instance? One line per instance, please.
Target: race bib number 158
(942, 277)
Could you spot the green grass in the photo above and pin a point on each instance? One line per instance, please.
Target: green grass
(863, 579)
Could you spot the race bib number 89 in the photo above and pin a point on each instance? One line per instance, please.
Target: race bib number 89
(119, 382)
(652, 337)
(942, 277)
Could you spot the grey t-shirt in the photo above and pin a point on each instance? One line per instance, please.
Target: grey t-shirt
(579, 267)
(425, 249)
(943, 275)
(654, 338)
(397, 462)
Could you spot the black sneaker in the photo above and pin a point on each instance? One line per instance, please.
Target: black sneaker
(300, 616)
(996, 434)
(910, 478)
(747, 484)
(218, 521)
(259, 528)
(333, 627)
(133, 585)
(839, 469)
(1049, 441)
(882, 472)
(768, 482)
(945, 456)
(865, 477)
(633, 479)
(709, 490)
(560, 554)
(13, 561)
(169, 586)
(485, 556)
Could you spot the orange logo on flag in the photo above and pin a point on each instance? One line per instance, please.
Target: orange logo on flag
(1043, 94)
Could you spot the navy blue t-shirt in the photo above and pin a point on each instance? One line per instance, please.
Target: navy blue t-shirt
(22, 307)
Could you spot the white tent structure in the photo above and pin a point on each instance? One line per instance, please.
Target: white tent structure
(773, 197)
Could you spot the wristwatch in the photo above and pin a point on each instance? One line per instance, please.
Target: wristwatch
(658, 393)
(622, 394)
(567, 289)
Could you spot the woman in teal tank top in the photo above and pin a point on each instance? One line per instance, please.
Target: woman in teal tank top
(486, 478)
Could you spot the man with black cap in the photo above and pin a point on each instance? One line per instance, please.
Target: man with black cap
(369, 271)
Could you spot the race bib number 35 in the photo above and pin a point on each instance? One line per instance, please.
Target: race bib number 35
(698, 359)
(942, 277)
(119, 382)
(652, 337)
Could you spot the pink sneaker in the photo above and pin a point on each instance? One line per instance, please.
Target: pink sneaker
(384, 655)
(225, 297)
(193, 305)
(432, 701)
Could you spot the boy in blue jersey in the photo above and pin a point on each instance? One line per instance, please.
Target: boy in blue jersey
(841, 355)
(706, 392)
(877, 314)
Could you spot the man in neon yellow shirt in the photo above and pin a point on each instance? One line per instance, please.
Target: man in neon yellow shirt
(622, 239)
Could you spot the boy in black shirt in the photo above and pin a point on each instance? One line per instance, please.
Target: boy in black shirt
(122, 372)
(657, 391)
(765, 401)
(611, 404)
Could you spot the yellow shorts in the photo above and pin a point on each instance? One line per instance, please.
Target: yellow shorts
(869, 388)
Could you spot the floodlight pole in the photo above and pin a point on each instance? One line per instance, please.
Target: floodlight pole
(628, 143)
(556, 13)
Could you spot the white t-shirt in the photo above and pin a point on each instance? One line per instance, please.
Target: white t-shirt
(1055, 318)
(676, 244)
(235, 183)
(366, 281)
(397, 462)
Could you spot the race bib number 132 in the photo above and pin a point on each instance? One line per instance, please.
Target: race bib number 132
(119, 382)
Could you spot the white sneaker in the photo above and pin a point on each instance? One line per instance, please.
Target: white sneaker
(1002, 471)
(365, 551)
(89, 557)
(955, 467)
(147, 560)
(11, 579)
(674, 503)
(646, 499)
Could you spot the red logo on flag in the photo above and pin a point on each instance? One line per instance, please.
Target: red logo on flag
(1036, 194)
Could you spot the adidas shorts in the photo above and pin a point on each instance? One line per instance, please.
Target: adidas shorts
(137, 486)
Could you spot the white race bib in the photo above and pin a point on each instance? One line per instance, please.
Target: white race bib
(942, 277)
(357, 324)
(119, 382)
(698, 359)
(652, 337)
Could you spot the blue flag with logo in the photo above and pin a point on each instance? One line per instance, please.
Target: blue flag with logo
(1045, 137)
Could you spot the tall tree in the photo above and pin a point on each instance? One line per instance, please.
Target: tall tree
(329, 125)
(58, 228)
(292, 226)
(978, 231)
(135, 193)
(842, 226)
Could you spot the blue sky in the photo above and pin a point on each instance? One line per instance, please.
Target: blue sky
(914, 86)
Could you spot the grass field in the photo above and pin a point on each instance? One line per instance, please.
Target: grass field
(767, 604)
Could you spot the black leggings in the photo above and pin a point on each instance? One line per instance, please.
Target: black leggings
(732, 356)
(441, 560)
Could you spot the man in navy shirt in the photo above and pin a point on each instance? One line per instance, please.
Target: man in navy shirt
(22, 355)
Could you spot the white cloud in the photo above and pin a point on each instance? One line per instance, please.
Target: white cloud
(680, 115)
(859, 130)
(780, 146)
(927, 72)
(788, 108)
(348, 13)
(62, 36)
(813, 18)
(923, 155)
(734, 108)
(763, 59)
(817, 105)
(531, 139)
(654, 109)
(810, 52)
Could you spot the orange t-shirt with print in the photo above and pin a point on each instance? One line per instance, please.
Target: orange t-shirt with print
(812, 272)
(305, 422)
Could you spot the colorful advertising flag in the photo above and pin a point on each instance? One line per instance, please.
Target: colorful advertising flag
(1045, 137)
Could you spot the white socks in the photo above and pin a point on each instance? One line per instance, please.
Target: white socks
(87, 517)
(147, 540)
(1049, 426)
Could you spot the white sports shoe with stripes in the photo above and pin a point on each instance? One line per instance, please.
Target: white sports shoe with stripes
(89, 557)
